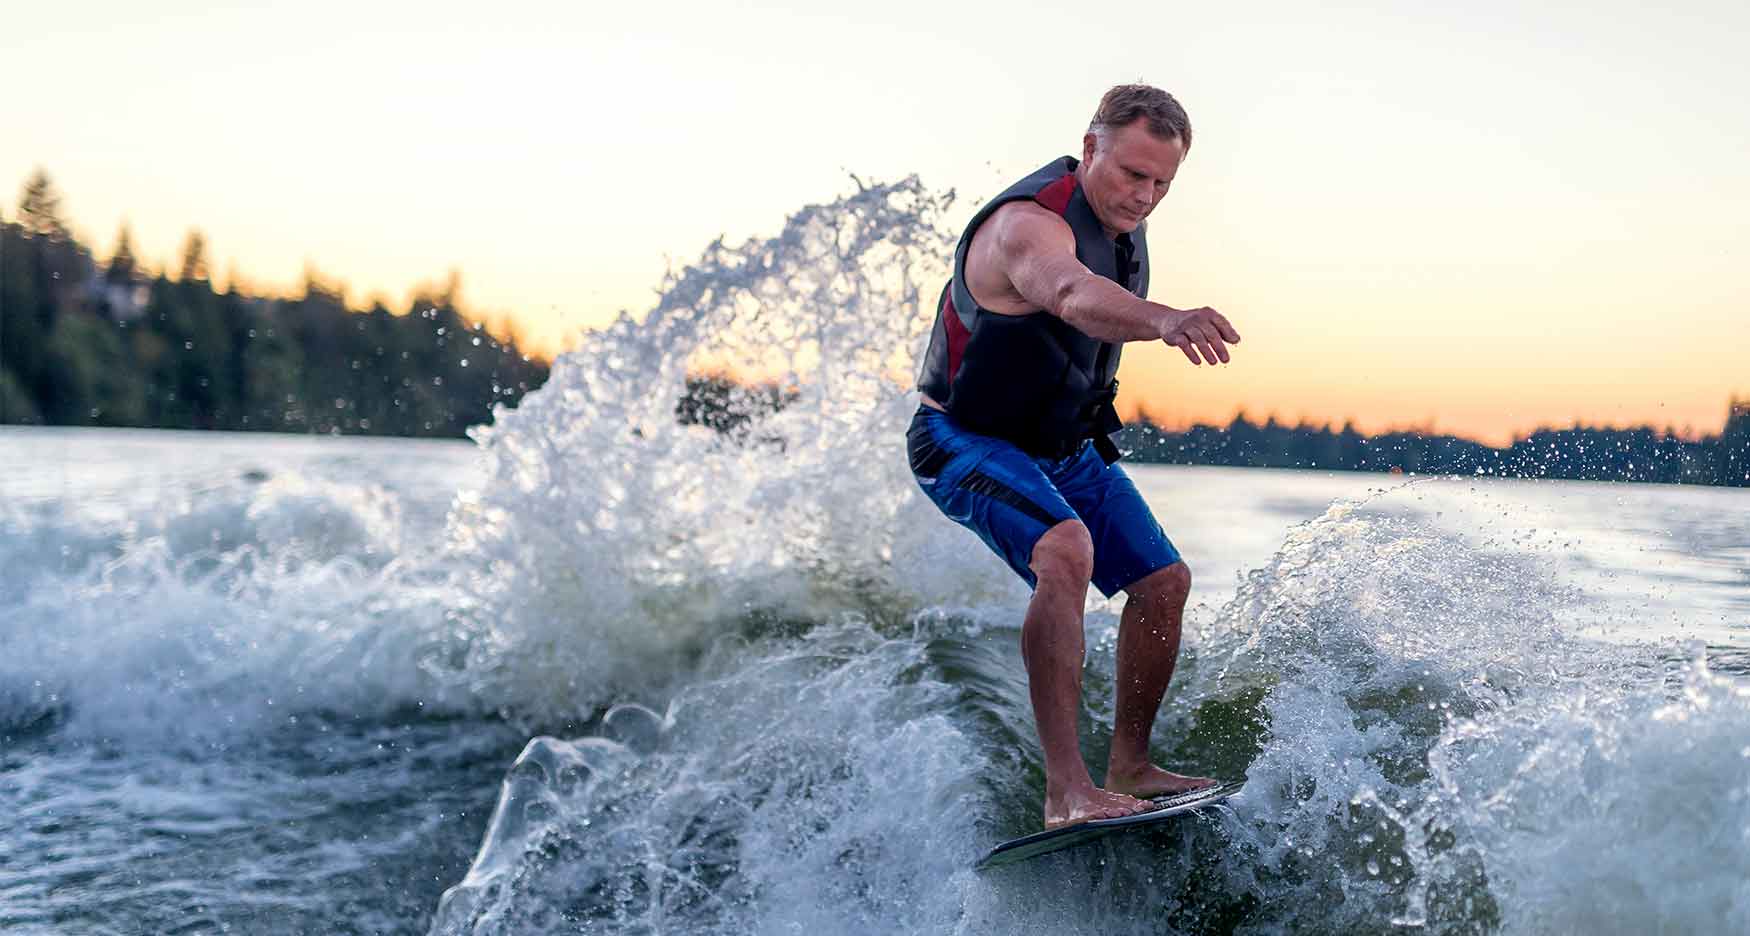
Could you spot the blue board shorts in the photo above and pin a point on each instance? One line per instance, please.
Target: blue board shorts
(1009, 498)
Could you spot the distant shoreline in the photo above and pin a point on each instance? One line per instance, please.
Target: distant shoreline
(1578, 453)
(23, 428)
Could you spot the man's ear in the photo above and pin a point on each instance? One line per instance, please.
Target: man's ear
(1088, 142)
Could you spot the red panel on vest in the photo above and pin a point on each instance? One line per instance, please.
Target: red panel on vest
(1056, 195)
(957, 334)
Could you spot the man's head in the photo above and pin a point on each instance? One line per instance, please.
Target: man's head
(1131, 152)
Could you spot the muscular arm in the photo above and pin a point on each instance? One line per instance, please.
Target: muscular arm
(1035, 249)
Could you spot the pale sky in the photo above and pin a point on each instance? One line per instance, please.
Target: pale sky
(1483, 218)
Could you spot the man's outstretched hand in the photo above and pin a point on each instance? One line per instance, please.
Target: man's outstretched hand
(1200, 330)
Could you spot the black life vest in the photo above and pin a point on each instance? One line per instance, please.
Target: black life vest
(1034, 379)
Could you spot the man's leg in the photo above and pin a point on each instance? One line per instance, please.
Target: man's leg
(1148, 648)
(999, 492)
(1052, 650)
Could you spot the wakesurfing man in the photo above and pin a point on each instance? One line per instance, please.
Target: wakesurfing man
(1011, 439)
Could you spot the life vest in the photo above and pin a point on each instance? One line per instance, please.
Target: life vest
(1034, 379)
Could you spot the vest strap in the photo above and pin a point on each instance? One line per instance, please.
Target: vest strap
(1102, 418)
(1107, 448)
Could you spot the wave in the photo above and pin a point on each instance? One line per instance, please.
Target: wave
(220, 612)
(1424, 745)
(612, 541)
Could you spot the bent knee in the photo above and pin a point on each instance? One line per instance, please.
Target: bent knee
(1065, 553)
(1171, 584)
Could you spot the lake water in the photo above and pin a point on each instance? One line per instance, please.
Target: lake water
(276, 684)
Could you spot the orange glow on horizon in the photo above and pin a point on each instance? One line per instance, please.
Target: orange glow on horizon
(1403, 238)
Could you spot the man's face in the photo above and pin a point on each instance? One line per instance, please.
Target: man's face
(1127, 174)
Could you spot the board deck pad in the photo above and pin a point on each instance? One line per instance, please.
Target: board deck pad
(1051, 840)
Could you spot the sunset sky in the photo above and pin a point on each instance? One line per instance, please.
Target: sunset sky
(1480, 217)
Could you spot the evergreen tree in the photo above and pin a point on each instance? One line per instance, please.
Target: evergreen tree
(94, 382)
(123, 265)
(43, 270)
(1733, 453)
(21, 326)
(194, 258)
(16, 405)
(40, 209)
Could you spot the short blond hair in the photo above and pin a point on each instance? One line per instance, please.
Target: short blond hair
(1125, 104)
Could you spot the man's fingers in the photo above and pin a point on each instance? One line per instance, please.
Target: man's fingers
(1218, 323)
(1208, 332)
(1208, 342)
(1213, 344)
(1227, 330)
(1201, 342)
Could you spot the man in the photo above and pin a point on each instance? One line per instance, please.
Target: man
(1012, 438)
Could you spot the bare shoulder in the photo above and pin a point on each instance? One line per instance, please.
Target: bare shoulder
(1022, 226)
(1014, 237)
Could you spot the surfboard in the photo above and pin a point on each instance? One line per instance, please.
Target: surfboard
(1051, 840)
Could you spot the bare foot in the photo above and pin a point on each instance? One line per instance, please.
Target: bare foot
(1150, 781)
(1079, 805)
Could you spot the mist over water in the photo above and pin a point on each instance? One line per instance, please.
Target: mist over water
(606, 672)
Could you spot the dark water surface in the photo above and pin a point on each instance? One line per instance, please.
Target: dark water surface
(242, 692)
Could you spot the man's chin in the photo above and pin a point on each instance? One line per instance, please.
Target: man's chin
(1119, 222)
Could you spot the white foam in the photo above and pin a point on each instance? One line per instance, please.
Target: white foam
(1607, 808)
(209, 615)
(610, 540)
(817, 787)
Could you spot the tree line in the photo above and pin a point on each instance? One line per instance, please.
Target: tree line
(1579, 453)
(84, 343)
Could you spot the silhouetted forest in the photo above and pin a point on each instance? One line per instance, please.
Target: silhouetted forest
(1580, 453)
(84, 343)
